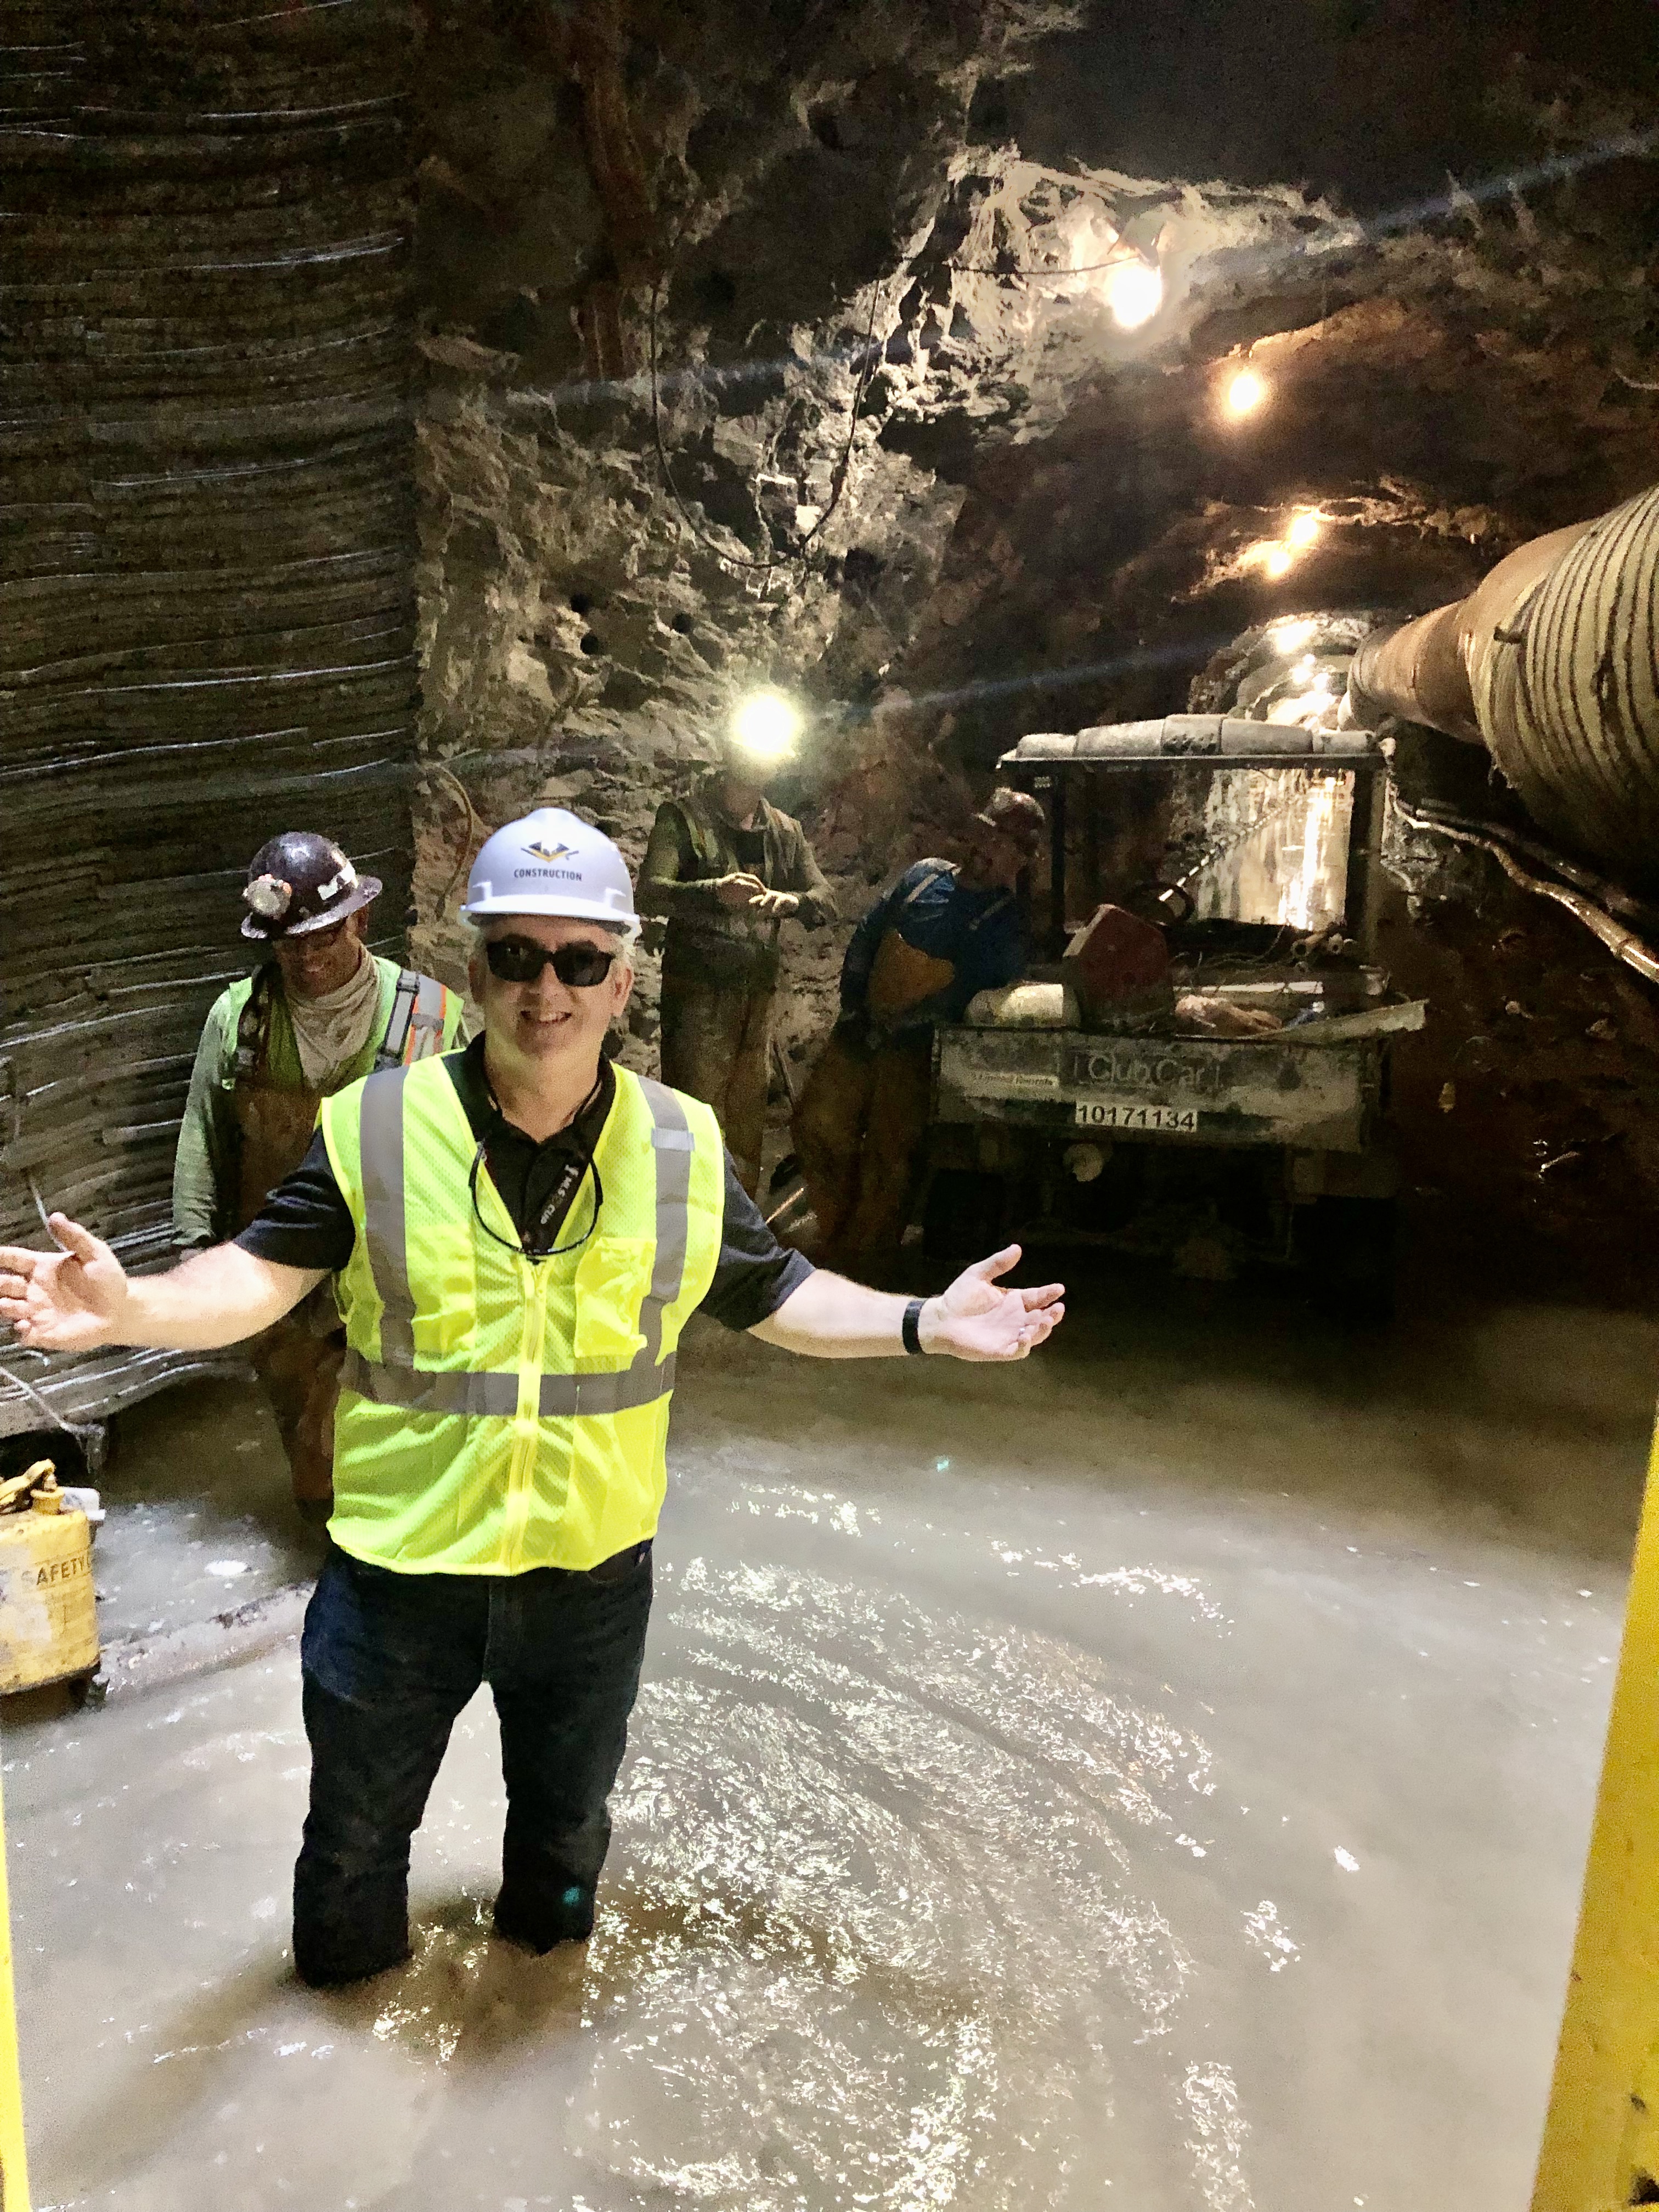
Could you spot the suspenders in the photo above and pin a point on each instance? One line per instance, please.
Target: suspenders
(940, 871)
(418, 1004)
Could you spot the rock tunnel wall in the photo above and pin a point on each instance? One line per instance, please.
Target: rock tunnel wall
(207, 562)
(854, 233)
(853, 242)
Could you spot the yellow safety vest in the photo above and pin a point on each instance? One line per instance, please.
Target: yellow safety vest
(498, 1413)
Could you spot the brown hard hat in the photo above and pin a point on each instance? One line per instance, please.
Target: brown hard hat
(299, 882)
(1014, 815)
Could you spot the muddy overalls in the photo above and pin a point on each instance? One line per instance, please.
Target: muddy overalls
(719, 970)
(862, 1117)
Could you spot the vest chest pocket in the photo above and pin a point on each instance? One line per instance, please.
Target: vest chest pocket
(612, 1277)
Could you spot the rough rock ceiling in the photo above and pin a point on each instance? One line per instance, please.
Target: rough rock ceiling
(1435, 234)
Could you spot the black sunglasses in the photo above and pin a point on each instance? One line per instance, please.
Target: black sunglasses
(521, 960)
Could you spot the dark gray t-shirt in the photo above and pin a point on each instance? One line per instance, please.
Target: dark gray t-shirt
(548, 1189)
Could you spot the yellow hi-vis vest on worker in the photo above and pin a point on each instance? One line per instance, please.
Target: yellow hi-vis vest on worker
(498, 1413)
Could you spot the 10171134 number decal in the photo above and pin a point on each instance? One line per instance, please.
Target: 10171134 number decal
(1129, 1113)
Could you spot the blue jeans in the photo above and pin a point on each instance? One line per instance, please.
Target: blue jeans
(388, 1662)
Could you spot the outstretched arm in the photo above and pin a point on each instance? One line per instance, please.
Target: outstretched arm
(829, 1318)
(80, 1295)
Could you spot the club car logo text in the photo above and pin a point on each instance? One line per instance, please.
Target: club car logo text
(1146, 1071)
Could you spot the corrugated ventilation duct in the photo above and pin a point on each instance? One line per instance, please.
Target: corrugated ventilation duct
(1552, 665)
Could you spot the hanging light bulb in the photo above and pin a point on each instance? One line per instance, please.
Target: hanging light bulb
(1245, 394)
(1132, 291)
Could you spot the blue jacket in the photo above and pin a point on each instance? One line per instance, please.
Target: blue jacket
(977, 931)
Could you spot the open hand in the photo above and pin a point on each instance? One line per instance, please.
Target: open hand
(778, 905)
(63, 1301)
(739, 889)
(975, 1319)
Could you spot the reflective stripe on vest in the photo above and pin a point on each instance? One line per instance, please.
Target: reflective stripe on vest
(475, 1395)
(396, 1381)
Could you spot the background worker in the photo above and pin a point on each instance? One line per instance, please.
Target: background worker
(727, 868)
(942, 934)
(321, 1011)
(518, 1232)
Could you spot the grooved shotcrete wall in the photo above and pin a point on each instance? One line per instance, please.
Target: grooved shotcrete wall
(206, 565)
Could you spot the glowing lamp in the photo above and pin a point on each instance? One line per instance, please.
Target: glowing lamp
(1245, 394)
(1133, 292)
(765, 725)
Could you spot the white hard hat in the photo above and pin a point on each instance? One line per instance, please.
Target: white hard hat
(552, 862)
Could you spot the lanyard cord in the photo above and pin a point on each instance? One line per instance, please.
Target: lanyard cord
(588, 1163)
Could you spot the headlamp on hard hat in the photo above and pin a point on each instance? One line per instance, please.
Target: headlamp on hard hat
(765, 727)
(299, 882)
(1014, 815)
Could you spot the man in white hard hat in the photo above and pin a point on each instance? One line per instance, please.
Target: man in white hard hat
(727, 868)
(517, 1235)
(320, 1013)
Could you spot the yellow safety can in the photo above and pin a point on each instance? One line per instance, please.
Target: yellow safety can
(48, 1614)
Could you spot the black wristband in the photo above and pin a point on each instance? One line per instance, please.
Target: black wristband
(910, 1332)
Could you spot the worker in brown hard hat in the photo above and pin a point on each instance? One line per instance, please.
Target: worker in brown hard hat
(942, 934)
(728, 868)
(320, 1011)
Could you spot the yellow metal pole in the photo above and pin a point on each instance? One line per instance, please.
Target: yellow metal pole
(14, 2162)
(1601, 2148)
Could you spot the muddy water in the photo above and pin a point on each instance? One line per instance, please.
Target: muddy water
(1146, 1780)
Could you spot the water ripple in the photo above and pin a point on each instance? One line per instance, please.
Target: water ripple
(875, 1937)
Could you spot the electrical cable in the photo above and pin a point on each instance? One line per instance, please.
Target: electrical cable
(838, 480)
(1620, 903)
(1115, 259)
(79, 1430)
(474, 825)
(1033, 276)
(1624, 944)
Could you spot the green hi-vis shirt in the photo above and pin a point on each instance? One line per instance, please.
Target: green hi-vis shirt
(204, 1167)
